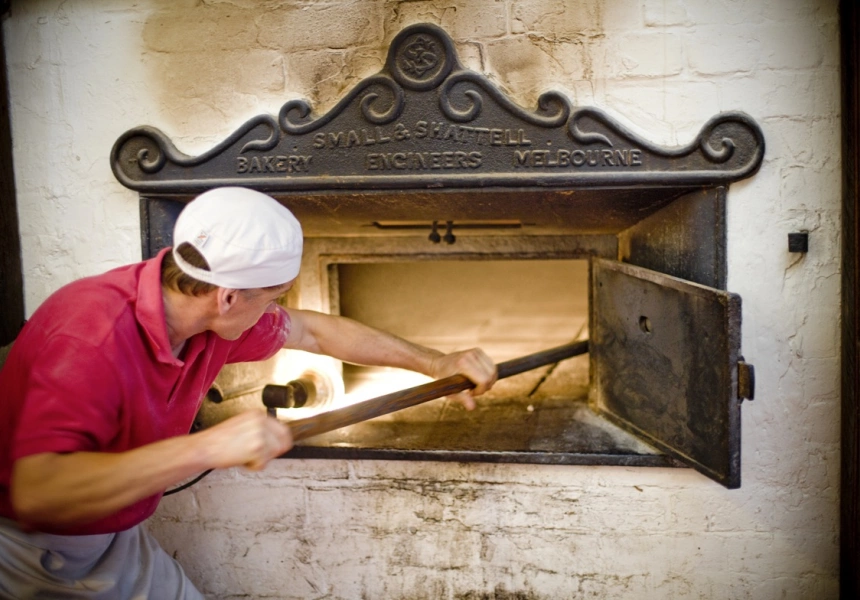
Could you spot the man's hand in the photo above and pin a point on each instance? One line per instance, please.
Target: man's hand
(250, 439)
(475, 365)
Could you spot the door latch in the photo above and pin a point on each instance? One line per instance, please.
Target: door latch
(746, 380)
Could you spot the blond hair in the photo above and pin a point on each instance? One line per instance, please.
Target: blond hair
(174, 278)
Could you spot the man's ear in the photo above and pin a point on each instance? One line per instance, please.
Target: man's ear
(226, 299)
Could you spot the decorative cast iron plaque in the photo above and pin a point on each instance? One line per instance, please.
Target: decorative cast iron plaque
(426, 122)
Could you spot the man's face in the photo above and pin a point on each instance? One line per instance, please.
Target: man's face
(247, 308)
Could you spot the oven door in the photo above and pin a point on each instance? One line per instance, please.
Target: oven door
(666, 365)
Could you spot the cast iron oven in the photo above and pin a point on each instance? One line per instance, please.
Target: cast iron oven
(429, 168)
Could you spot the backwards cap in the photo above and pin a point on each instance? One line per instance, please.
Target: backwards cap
(248, 239)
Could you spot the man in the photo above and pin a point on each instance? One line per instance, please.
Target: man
(106, 377)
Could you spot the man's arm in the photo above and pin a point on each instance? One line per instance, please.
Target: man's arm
(353, 342)
(81, 487)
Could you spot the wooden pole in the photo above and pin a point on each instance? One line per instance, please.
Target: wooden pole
(382, 405)
(389, 403)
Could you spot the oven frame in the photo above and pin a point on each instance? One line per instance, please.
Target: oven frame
(438, 143)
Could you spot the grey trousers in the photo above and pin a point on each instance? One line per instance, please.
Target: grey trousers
(129, 565)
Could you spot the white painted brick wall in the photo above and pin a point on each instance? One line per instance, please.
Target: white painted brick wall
(82, 73)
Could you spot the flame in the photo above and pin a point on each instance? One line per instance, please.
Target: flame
(383, 382)
(393, 380)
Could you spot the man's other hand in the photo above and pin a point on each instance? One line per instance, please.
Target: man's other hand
(250, 439)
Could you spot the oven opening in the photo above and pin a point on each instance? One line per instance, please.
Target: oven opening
(509, 308)
(662, 379)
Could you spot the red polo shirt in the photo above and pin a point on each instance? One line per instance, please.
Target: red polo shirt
(92, 370)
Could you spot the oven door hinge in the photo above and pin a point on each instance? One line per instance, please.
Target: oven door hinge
(746, 380)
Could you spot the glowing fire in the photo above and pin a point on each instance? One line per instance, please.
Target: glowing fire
(292, 365)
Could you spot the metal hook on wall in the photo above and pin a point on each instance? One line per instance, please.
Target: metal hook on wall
(434, 235)
(449, 232)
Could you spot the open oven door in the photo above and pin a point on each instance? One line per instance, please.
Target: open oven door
(666, 365)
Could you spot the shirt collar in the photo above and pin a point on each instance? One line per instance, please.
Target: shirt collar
(149, 310)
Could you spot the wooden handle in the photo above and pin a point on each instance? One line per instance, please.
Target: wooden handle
(389, 403)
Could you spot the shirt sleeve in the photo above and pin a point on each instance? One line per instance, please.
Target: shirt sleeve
(264, 339)
(71, 403)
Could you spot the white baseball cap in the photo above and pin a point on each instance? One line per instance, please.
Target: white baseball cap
(248, 239)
